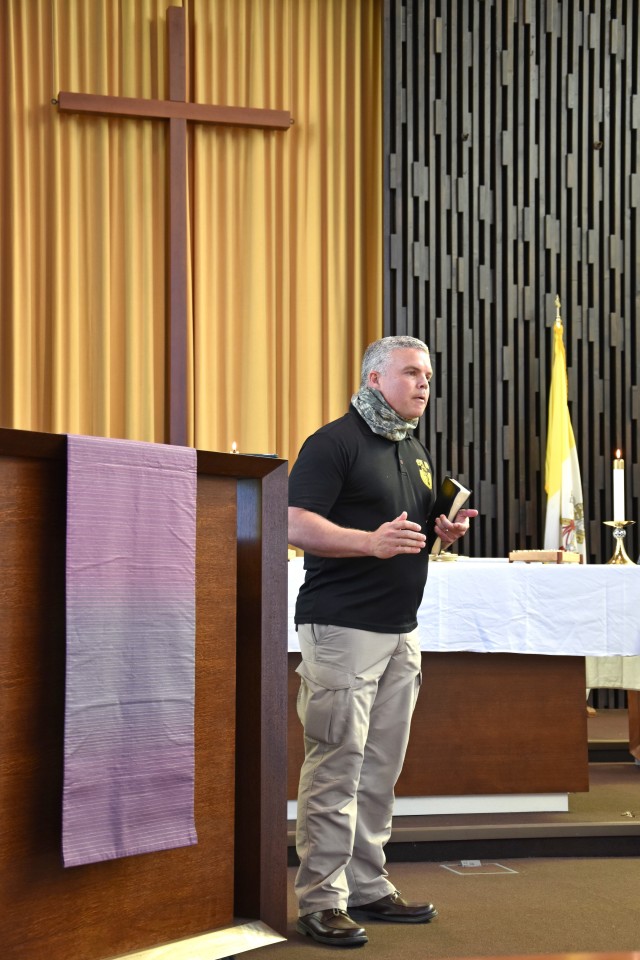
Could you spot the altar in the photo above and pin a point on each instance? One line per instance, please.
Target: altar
(500, 724)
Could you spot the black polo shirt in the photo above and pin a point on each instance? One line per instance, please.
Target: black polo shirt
(357, 479)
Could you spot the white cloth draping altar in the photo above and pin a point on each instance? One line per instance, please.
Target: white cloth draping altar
(493, 606)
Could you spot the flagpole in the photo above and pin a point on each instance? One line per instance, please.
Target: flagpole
(564, 522)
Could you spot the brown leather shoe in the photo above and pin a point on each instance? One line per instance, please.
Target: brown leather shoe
(334, 927)
(395, 908)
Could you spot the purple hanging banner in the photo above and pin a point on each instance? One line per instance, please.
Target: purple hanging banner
(130, 683)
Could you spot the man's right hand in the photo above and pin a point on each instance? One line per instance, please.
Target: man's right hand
(396, 537)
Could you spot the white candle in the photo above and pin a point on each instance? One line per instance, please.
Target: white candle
(618, 488)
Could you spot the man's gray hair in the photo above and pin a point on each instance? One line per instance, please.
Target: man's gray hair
(378, 354)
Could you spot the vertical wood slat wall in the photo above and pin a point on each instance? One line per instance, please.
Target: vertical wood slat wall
(511, 174)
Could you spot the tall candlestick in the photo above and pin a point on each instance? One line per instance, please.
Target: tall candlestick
(618, 487)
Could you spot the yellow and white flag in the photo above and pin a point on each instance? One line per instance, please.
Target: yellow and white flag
(564, 526)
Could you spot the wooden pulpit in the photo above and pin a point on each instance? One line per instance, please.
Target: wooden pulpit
(237, 870)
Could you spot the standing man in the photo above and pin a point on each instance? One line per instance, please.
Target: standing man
(359, 495)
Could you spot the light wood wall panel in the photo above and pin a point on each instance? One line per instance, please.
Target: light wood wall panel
(511, 175)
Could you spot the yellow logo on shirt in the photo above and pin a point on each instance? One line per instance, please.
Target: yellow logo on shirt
(425, 473)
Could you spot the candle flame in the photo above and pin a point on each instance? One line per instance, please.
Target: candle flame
(618, 457)
(234, 447)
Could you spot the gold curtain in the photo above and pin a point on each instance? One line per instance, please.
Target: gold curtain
(284, 253)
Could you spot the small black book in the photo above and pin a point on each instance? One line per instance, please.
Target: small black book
(451, 498)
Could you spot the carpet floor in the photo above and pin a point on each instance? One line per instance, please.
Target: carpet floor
(512, 907)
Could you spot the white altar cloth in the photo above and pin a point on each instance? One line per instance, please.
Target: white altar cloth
(493, 606)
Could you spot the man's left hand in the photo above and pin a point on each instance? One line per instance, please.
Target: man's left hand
(449, 531)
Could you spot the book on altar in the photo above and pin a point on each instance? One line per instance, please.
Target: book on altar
(545, 556)
(451, 497)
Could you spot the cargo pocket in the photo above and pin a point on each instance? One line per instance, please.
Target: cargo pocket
(418, 684)
(324, 701)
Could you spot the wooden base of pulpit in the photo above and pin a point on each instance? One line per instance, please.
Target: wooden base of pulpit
(238, 867)
(486, 724)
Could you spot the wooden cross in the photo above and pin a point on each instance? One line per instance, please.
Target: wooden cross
(178, 112)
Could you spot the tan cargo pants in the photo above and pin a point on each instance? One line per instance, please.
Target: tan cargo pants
(357, 694)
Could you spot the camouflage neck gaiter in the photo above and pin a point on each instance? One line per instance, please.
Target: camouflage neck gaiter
(382, 418)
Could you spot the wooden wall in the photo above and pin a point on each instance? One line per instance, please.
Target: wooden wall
(512, 175)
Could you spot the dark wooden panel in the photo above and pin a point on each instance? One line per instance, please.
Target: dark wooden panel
(486, 724)
(261, 843)
(511, 173)
(479, 715)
